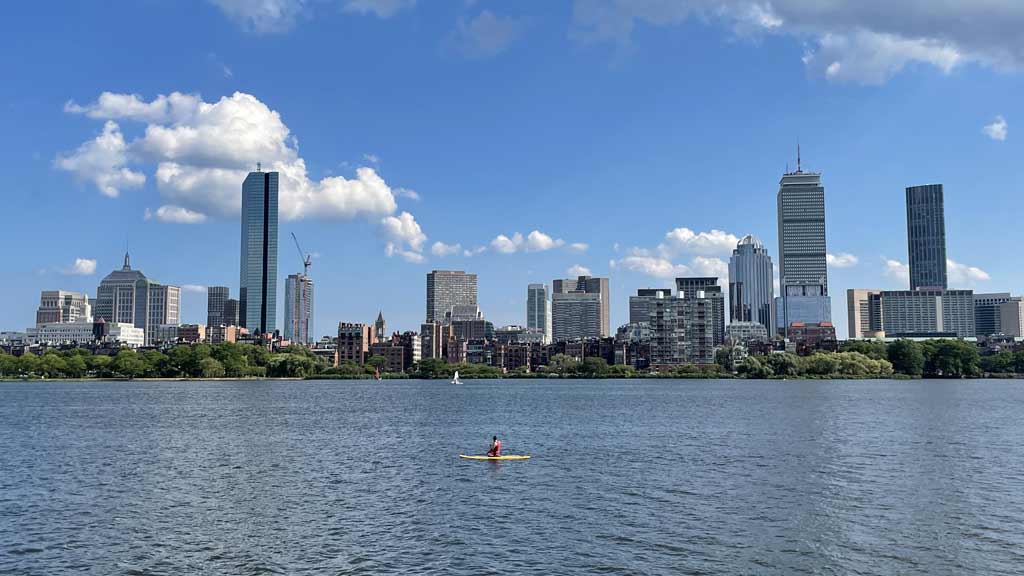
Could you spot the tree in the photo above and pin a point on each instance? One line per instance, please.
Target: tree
(75, 366)
(561, 364)
(751, 367)
(592, 367)
(8, 365)
(871, 348)
(211, 368)
(128, 364)
(951, 359)
(52, 365)
(376, 362)
(906, 357)
(620, 371)
(100, 365)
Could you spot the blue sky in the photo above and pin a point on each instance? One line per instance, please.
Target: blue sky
(638, 139)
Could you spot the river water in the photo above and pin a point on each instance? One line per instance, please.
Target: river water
(627, 477)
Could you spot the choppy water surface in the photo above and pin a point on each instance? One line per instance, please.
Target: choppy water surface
(645, 477)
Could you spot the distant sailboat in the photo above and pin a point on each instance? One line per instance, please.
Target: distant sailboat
(456, 380)
(376, 374)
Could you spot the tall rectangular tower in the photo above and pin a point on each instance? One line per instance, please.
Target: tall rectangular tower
(926, 237)
(215, 298)
(446, 289)
(298, 309)
(803, 274)
(257, 298)
(538, 310)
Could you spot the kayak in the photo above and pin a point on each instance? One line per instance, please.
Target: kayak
(509, 457)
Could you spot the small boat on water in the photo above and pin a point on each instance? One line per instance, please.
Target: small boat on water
(509, 457)
(455, 379)
(376, 374)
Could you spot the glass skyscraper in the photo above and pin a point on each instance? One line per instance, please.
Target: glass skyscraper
(257, 298)
(538, 310)
(751, 291)
(926, 236)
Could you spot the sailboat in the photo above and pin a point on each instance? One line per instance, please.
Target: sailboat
(376, 374)
(455, 379)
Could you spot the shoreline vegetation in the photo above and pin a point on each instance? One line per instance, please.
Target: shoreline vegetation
(902, 359)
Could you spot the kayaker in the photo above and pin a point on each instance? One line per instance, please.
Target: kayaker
(495, 447)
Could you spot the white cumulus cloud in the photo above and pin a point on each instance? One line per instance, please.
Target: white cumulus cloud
(686, 241)
(997, 130)
(538, 241)
(579, 247)
(440, 249)
(81, 267)
(507, 245)
(577, 270)
(102, 160)
(486, 35)
(650, 265)
(710, 266)
(175, 215)
(896, 270)
(194, 288)
(964, 275)
(535, 241)
(841, 260)
(404, 237)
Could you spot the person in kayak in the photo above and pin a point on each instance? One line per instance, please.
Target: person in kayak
(495, 447)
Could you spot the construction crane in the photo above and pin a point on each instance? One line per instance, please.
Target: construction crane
(307, 261)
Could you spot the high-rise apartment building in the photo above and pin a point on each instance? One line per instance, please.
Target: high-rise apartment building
(864, 313)
(1011, 317)
(987, 315)
(579, 308)
(298, 309)
(751, 286)
(926, 237)
(446, 289)
(354, 342)
(230, 316)
(803, 274)
(538, 310)
(257, 294)
(640, 305)
(215, 298)
(927, 313)
(62, 307)
(126, 296)
(706, 288)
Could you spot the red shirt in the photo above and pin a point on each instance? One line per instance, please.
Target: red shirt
(496, 449)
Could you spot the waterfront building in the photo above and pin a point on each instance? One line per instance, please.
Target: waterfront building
(229, 333)
(864, 313)
(928, 313)
(1011, 317)
(809, 337)
(803, 274)
(413, 345)
(926, 237)
(216, 296)
(298, 309)
(446, 289)
(393, 354)
(192, 333)
(433, 336)
(580, 308)
(751, 285)
(538, 310)
(84, 333)
(519, 335)
(987, 315)
(257, 294)
(744, 332)
(127, 296)
(639, 305)
(60, 306)
(353, 343)
(230, 316)
(706, 288)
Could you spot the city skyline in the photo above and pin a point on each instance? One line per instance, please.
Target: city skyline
(704, 165)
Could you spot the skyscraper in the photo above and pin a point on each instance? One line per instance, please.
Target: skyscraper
(230, 317)
(215, 298)
(126, 296)
(446, 289)
(298, 309)
(538, 310)
(803, 274)
(864, 312)
(581, 285)
(926, 237)
(257, 298)
(640, 305)
(751, 288)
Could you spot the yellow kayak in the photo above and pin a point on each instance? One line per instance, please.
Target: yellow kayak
(509, 457)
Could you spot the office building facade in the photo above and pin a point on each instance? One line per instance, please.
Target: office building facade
(987, 315)
(863, 313)
(298, 309)
(230, 316)
(640, 305)
(216, 296)
(257, 294)
(354, 342)
(751, 283)
(706, 288)
(60, 306)
(538, 310)
(579, 308)
(446, 289)
(928, 313)
(803, 273)
(127, 296)
(926, 237)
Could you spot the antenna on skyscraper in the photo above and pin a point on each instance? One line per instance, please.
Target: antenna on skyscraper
(798, 170)
(259, 168)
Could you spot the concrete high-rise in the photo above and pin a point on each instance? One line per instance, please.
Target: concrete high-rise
(987, 315)
(864, 312)
(61, 307)
(751, 286)
(579, 308)
(538, 310)
(706, 290)
(927, 313)
(447, 289)
(215, 298)
(298, 309)
(126, 296)
(926, 237)
(640, 305)
(257, 294)
(230, 317)
(803, 274)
